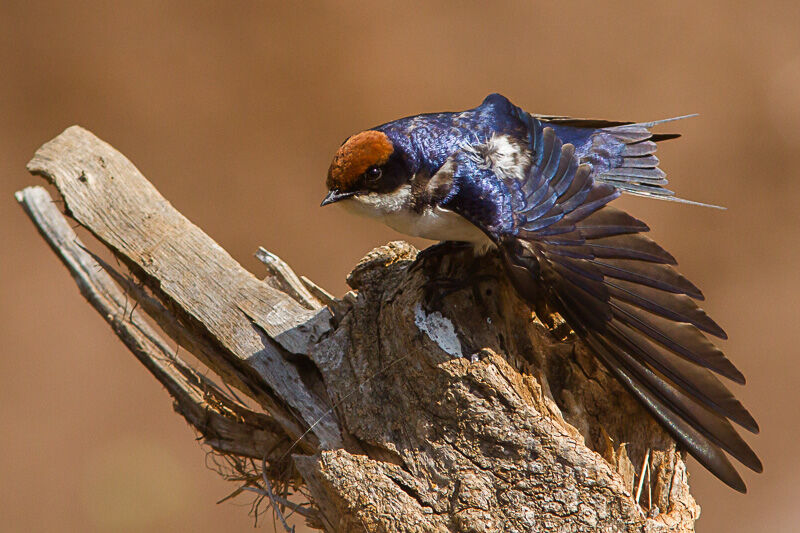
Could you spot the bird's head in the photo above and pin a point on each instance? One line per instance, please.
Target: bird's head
(367, 164)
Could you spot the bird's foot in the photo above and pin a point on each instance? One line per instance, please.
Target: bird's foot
(438, 283)
(426, 258)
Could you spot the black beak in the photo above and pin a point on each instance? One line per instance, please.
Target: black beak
(335, 196)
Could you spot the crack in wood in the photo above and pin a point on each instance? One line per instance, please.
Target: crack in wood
(362, 401)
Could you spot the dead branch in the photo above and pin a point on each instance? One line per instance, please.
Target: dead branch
(387, 416)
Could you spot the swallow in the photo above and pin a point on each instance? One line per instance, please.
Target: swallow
(537, 189)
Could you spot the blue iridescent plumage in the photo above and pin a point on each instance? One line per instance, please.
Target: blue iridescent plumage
(538, 188)
(621, 153)
(429, 139)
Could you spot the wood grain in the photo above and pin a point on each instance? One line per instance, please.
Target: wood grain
(389, 415)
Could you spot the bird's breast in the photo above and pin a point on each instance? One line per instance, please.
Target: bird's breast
(436, 224)
(395, 210)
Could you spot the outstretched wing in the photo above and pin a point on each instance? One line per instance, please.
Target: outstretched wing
(622, 154)
(614, 286)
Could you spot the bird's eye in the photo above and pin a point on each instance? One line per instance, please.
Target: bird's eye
(373, 173)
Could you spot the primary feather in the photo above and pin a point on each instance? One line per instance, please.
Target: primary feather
(537, 188)
(616, 288)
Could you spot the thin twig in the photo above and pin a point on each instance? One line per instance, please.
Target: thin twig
(649, 488)
(268, 486)
(641, 476)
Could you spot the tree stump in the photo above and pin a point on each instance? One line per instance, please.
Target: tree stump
(384, 412)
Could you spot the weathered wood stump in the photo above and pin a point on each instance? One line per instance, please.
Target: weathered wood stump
(386, 413)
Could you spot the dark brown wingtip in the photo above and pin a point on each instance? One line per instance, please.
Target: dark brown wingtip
(658, 137)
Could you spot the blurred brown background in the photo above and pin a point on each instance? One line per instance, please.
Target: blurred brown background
(233, 111)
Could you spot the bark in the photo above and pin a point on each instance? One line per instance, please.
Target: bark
(387, 415)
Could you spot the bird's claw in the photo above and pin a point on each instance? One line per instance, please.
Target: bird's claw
(425, 257)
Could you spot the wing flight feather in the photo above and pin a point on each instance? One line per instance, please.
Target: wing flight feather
(615, 287)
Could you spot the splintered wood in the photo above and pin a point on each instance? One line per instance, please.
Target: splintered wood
(387, 415)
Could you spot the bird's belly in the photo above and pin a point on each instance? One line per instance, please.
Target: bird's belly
(432, 223)
(435, 224)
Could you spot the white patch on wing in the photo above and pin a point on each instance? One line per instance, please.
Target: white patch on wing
(394, 210)
(503, 154)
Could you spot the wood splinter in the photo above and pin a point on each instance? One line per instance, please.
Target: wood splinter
(531, 435)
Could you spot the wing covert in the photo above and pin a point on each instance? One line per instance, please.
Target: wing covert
(616, 288)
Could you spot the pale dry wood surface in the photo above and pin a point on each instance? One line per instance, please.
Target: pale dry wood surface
(383, 414)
